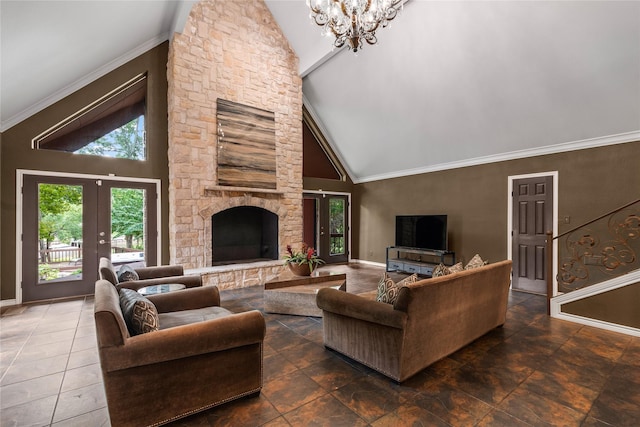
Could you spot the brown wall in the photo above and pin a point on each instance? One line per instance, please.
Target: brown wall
(17, 152)
(618, 306)
(591, 182)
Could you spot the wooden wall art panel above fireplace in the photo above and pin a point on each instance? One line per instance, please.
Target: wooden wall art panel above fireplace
(246, 146)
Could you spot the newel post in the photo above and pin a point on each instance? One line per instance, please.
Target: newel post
(549, 262)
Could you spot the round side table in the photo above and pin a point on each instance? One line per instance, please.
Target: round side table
(160, 289)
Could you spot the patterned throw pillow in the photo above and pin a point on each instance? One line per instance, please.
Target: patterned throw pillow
(140, 314)
(388, 290)
(475, 262)
(440, 270)
(127, 273)
(456, 268)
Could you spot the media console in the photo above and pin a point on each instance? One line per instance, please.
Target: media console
(422, 262)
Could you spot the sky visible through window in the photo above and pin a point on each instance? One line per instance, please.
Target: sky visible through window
(126, 142)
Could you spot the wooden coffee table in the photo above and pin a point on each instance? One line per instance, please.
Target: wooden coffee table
(291, 294)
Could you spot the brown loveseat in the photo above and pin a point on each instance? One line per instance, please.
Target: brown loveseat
(431, 319)
(202, 356)
(148, 276)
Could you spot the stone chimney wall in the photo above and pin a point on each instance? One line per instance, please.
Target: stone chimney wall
(232, 50)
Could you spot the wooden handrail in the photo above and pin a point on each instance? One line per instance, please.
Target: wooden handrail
(596, 219)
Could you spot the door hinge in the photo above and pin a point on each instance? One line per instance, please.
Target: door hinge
(99, 182)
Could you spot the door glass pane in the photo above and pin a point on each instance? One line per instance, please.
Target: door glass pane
(59, 233)
(336, 226)
(128, 230)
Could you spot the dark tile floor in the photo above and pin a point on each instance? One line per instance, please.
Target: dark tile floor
(533, 371)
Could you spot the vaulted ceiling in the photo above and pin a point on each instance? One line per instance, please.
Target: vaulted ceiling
(450, 83)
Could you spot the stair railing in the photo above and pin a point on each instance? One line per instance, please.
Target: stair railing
(605, 247)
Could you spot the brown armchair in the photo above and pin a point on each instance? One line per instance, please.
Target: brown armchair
(148, 276)
(202, 356)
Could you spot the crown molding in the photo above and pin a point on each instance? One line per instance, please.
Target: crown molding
(583, 144)
(79, 84)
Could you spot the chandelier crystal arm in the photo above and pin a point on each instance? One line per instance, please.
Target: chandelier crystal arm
(353, 20)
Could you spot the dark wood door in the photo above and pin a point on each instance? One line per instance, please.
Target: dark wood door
(55, 265)
(325, 226)
(68, 223)
(532, 218)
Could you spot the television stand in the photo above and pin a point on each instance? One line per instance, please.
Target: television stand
(420, 261)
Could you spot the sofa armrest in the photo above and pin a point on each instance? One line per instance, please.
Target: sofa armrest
(352, 305)
(189, 281)
(187, 299)
(159, 271)
(235, 330)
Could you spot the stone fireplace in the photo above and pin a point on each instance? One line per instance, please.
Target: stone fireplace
(233, 51)
(243, 234)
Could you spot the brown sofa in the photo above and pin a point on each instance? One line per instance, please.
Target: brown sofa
(202, 356)
(431, 319)
(148, 276)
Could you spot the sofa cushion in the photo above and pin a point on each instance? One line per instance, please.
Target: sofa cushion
(127, 274)
(475, 262)
(388, 290)
(139, 313)
(186, 317)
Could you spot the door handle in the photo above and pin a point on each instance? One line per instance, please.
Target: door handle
(101, 241)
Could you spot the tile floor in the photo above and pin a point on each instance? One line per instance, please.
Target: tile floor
(533, 371)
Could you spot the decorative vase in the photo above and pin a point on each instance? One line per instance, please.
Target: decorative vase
(300, 269)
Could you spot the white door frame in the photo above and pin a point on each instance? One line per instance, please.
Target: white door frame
(20, 173)
(511, 179)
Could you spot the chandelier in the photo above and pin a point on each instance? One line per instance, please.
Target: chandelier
(352, 21)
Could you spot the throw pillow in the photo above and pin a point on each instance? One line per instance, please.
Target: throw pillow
(388, 290)
(475, 262)
(127, 274)
(440, 270)
(408, 280)
(456, 268)
(140, 314)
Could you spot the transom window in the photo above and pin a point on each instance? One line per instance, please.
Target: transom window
(112, 126)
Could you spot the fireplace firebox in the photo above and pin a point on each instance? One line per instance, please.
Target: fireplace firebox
(244, 234)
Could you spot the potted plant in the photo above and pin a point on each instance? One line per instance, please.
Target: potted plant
(302, 263)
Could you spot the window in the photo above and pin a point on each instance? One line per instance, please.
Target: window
(112, 126)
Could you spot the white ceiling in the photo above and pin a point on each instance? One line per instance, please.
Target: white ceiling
(449, 84)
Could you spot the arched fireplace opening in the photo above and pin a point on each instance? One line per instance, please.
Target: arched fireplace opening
(243, 234)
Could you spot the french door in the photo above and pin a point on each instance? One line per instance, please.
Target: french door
(68, 223)
(326, 225)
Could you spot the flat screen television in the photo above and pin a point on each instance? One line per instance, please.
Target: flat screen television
(422, 231)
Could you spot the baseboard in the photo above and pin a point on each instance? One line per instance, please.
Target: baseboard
(627, 330)
(8, 302)
(557, 302)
